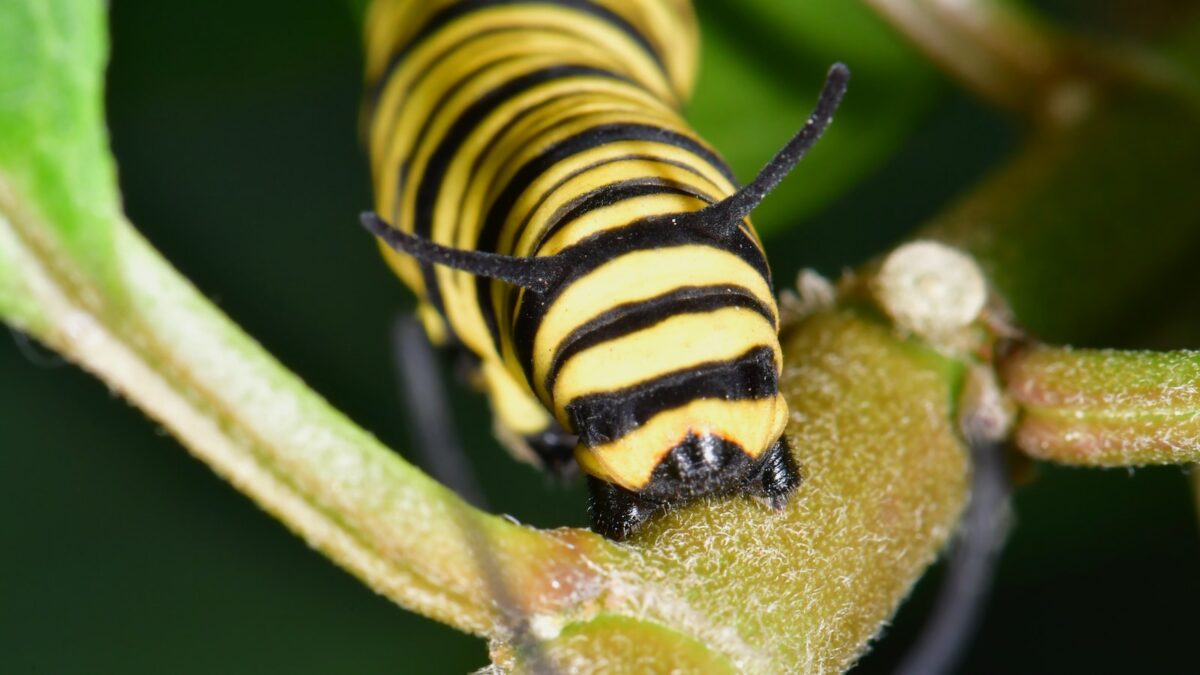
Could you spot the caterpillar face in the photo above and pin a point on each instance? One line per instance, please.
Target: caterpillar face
(559, 220)
(672, 389)
(687, 360)
(708, 446)
(702, 446)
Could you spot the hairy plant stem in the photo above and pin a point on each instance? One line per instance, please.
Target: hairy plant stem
(164, 348)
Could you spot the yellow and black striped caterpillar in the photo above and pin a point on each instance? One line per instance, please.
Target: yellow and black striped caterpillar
(560, 221)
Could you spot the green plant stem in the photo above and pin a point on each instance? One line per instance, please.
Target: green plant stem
(1106, 407)
(167, 350)
(885, 476)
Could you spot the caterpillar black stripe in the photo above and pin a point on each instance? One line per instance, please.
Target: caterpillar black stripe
(538, 189)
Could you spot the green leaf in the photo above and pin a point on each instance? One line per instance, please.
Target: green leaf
(1107, 407)
(54, 162)
(762, 62)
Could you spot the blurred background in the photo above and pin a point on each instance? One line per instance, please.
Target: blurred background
(236, 135)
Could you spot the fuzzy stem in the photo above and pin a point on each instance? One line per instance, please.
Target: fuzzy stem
(1106, 407)
(162, 346)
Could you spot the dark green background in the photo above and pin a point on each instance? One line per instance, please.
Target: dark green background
(236, 134)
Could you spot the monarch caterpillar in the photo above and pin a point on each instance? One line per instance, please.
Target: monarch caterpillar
(560, 222)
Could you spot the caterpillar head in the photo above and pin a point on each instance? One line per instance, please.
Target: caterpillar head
(711, 429)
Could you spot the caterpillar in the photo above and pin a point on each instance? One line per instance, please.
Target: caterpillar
(538, 189)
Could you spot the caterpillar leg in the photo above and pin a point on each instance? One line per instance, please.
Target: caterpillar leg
(555, 449)
(616, 512)
(777, 476)
(524, 426)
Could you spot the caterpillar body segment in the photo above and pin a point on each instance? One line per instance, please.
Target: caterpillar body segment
(538, 189)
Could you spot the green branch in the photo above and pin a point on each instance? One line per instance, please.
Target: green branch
(173, 355)
(1106, 407)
